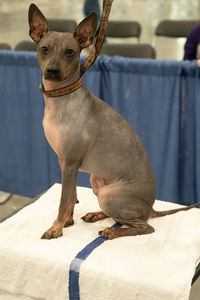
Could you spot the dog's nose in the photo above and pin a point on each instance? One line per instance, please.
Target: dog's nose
(53, 73)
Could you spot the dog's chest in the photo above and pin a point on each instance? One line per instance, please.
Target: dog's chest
(55, 133)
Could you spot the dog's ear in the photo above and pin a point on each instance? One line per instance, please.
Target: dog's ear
(85, 31)
(37, 23)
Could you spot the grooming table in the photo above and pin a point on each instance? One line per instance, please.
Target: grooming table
(81, 265)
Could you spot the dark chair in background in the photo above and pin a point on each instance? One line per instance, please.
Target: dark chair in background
(175, 28)
(26, 46)
(59, 25)
(5, 46)
(129, 50)
(123, 29)
(168, 30)
(62, 25)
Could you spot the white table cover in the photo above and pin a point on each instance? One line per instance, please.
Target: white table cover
(156, 266)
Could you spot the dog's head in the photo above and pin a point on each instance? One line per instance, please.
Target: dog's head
(58, 53)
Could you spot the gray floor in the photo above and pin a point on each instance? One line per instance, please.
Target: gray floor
(11, 204)
(14, 28)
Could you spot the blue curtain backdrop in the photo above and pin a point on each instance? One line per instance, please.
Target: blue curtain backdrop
(160, 99)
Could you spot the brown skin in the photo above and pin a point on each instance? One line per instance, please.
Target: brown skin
(88, 135)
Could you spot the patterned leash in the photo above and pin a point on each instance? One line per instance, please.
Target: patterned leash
(100, 37)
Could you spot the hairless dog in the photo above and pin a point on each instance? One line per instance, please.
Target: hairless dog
(88, 135)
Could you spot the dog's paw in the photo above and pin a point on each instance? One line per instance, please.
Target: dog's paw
(54, 232)
(110, 233)
(94, 216)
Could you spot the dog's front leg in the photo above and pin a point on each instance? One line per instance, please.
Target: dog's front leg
(67, 202)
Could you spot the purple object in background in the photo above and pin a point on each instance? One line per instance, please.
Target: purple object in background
(192, 43)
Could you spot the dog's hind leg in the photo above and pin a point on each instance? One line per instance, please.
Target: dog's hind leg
(128, 206)
(96, 183)
(138, 227)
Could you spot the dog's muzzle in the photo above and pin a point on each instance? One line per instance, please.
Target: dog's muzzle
(53, 73)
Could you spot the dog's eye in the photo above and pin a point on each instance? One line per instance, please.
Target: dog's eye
(44, 49)
(69, 52)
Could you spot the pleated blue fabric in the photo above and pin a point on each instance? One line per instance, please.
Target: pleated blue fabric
(160, 99)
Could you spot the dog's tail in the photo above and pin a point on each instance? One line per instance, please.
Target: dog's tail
(156, 214)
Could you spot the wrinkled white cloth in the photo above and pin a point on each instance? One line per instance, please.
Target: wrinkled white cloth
(155, 266)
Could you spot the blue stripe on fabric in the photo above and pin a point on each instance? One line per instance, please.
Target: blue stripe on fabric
(74, 270)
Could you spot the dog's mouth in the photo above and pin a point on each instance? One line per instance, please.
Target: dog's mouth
(52, 82)
(53, 74)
